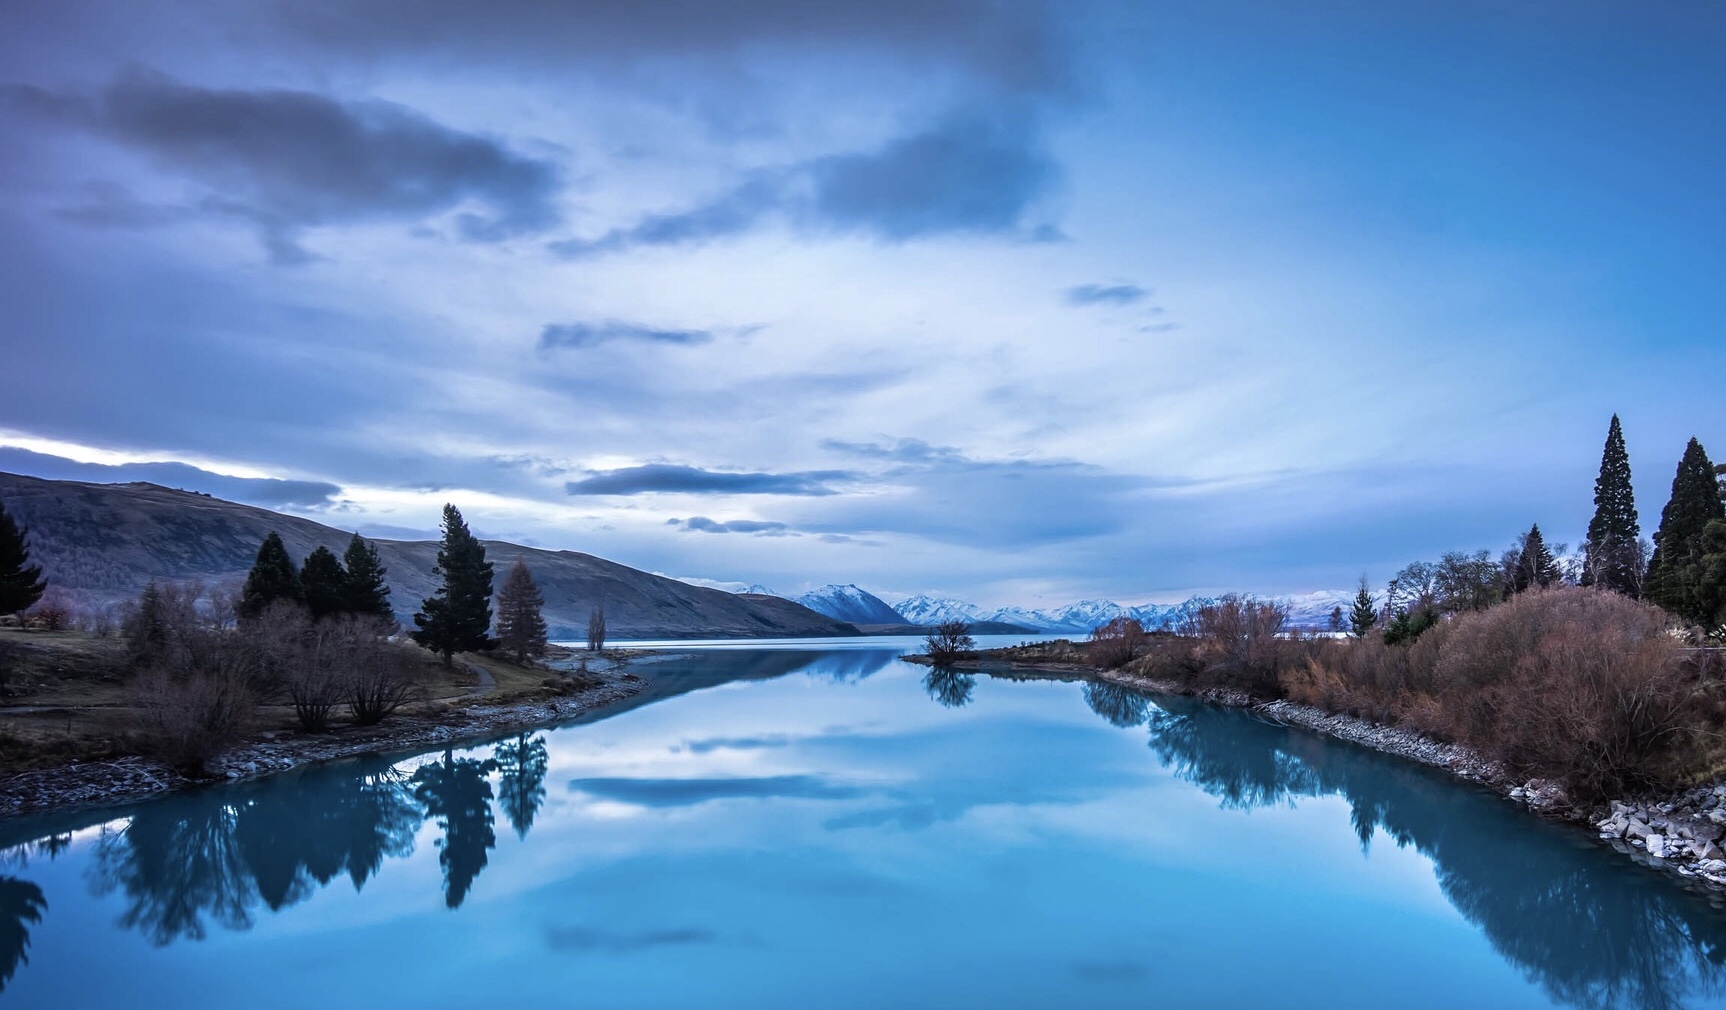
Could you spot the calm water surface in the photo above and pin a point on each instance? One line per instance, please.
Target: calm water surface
(804, 826)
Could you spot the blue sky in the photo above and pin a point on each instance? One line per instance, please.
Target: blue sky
(1010, 301)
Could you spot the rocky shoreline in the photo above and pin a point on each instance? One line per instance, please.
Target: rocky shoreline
(1683, 834)
(93, 784)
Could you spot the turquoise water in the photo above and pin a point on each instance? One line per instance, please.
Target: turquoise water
(809, 827)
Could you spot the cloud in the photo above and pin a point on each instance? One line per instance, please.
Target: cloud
(975, 172)
(689, 792)
(589, 334)
(904, 450)
(582, 939)
(268, 492)
(708, 744)
(668, 478)
(702, 524)
(287, 160)
(1101, 294)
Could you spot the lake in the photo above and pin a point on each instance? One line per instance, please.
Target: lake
(819, 824)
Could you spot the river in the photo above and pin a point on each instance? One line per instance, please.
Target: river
(819, 824)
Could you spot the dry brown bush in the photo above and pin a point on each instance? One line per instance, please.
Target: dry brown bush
(1116, 643)
(196, 704)
(1237, 645)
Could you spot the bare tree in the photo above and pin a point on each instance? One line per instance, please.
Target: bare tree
(1116, 643)
(596, 628)
(948, 641)
(520, 623)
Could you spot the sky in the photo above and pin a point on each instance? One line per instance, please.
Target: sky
(1015, 302)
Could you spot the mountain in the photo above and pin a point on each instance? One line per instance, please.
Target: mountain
(1306, 611)
(850, 604)
(931, 610)
(757, 590)
(103, 542)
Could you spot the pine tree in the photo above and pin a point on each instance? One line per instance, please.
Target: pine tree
(21, 582)
(1365, 614)
(366, 593)
(324, 583)
(1612, 554)
(457, 617)
(520, 624)
(272, 578)
(1532, 566)
(1676, 572)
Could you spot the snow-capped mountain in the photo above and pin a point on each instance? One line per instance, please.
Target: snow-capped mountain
(848, 603)
(1306, 610)
(933, 610)
(757, 590)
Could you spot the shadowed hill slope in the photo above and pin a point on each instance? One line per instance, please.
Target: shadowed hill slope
(103, 542)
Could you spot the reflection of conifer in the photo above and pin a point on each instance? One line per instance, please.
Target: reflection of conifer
(21, 905)
(522, 764)
(456, 793)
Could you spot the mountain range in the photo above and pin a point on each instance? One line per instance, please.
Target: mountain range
(104, 542)
(1306, 610)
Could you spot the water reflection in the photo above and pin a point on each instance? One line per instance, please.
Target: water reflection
(1593, 933)
(21, 906)
(1119, 706)
(521, 788)
(949, 687)
(456, 793)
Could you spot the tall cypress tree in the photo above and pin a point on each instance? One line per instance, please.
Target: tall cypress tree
(520, 623)
(1364, 614)
(272, 578)
(324, 582)
(1675, 572)
(1612, 552)
(457, 617)
(366, 592)
(21, 583)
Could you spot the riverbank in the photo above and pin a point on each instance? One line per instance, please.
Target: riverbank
(83, 785)
(1682, 833)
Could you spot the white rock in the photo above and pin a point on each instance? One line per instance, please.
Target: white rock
(1636, 829)
(1657, 846)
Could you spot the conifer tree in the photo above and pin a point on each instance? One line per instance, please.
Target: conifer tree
(324, 582)
(457, 617)
(1364, 614)
(1533, 566)
(1612, 554)
(520, 623)
(1676, 573)
(272, 578)
(366, 592)
(21, 582)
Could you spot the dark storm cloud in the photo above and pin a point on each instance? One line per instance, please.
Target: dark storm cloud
(588, 334)
(702, 524)
(975, 172)
(1105, 294)
(658, 478)
(287, 160)
(265, 491)
(689, 792)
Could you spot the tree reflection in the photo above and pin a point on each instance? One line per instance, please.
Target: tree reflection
(520, 791)
(213, 857)
(1592, 931)
(455, 791)
(21, 905)
(177, 863)
(1119, 706)
(949, 687)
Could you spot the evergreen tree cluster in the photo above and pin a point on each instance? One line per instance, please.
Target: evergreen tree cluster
(323, 584)
(1687, 574)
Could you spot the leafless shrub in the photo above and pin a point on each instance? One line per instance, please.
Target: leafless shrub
(379, 681)
(596, 628)
(161, 621)
(195, 704)
(53, 611)
(321, 664)
(948, 641)
(1116, 643)
(1237, 643)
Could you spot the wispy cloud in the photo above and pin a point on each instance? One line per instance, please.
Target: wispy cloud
(556, 335)
(702, 524)
(1105, 294)
(668, 478)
